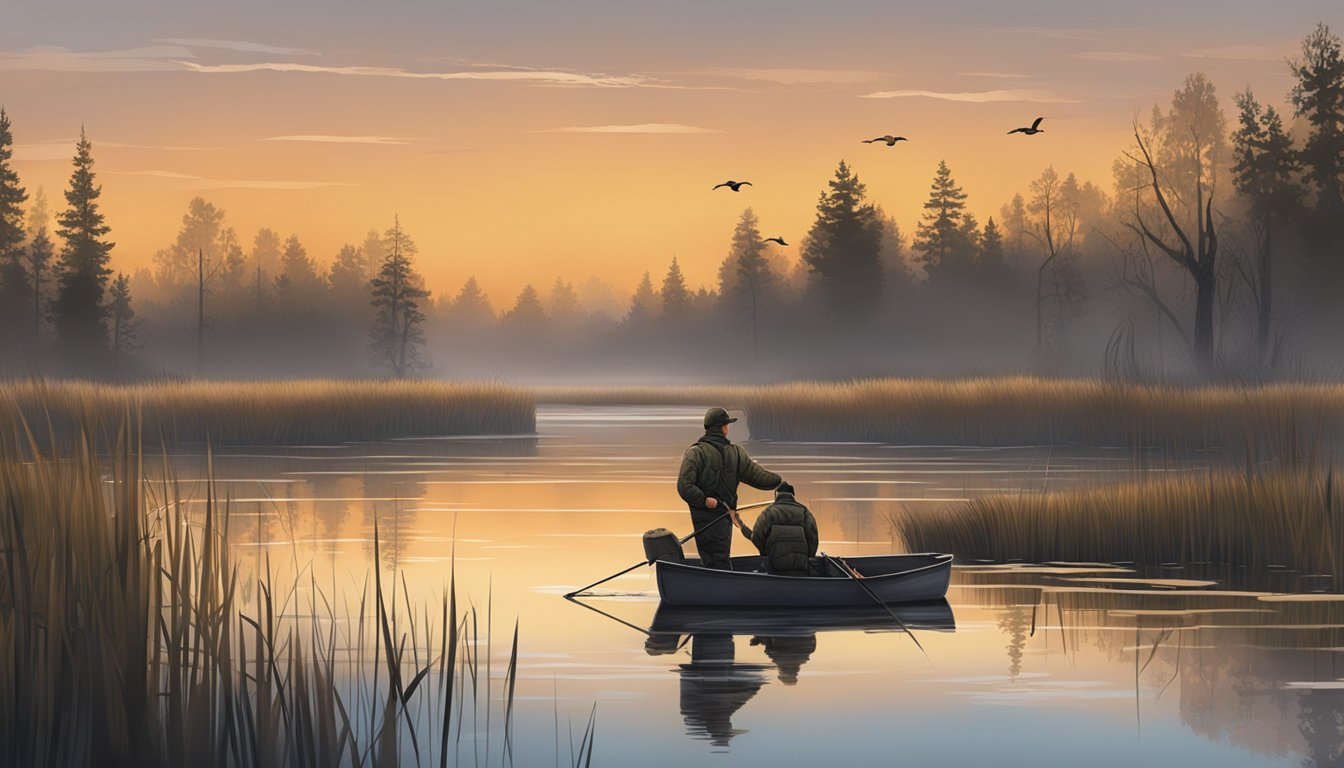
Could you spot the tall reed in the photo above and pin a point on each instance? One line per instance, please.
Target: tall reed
(1291, 517)
(125, 640)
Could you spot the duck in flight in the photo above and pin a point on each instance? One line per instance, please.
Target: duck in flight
(889, 139)
(736, 186)
(1032, 131)
(779, 240)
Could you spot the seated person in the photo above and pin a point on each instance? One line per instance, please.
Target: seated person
(785, 533)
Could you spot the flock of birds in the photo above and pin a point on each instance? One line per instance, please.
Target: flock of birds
(890, 141)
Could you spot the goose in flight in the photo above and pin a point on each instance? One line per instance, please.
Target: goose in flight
(889, 139)
(779, 240)
(736, 186)
(1032, 131)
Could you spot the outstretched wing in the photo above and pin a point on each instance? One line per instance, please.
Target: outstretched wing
(870, 141)
(1037, 124)
(1017, 130)
(716, 186)
(744, 184)
(899, 138)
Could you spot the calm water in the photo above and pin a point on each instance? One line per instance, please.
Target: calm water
(1025, 666)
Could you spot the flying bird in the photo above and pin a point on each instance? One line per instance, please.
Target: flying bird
(779, 240)
(736, 186)
(889, 139)
(1032, 131)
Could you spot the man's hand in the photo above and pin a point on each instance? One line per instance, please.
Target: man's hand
(711, 503)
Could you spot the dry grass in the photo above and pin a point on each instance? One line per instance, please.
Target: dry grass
(125, 640)
(1283, 517)
(273, 412)
(1001, 411)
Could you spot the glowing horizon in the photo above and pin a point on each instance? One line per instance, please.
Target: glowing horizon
(585, 143)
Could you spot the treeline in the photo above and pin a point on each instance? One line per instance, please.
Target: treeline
(1215, 250)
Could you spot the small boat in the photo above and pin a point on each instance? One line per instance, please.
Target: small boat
(892, 578)
(933, 616)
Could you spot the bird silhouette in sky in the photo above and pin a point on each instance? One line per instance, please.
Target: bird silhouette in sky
(889, 139)
(736, 186)
(779, 240)
(1032, 131)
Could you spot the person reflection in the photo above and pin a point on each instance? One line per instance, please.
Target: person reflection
(713, 686)
(789, 653)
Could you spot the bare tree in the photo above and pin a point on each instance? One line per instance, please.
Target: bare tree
(1058, 280)
(1196, 253)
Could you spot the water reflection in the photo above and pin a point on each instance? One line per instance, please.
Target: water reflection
(1065, 671)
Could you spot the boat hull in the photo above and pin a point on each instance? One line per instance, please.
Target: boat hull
(892, 578)
(783, 622)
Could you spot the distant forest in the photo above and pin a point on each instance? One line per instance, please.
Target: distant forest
(1215, 251)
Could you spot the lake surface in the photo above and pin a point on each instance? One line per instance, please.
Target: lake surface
(1047, 666)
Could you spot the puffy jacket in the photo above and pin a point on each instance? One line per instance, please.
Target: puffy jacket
(713, 467)
(786, 533)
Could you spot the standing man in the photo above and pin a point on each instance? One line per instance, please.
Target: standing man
(710, 472)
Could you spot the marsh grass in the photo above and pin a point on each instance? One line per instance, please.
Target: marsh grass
(1283, 516)
(126, 638)
(1003, 411)
(270, 412)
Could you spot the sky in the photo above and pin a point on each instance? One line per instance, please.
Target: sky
(521, 141)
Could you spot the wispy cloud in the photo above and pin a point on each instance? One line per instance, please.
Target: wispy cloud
(1243, 52)
(636, 128)
(533, 76)
(201, 182)
(997, 75)
(241, 46)
(788, 76)
(978, 97)
(155, 58)
(328, 139)
(1126, 56)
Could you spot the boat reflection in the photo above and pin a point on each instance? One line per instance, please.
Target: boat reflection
(715, 685)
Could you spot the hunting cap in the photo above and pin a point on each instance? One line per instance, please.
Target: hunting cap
(717, 417)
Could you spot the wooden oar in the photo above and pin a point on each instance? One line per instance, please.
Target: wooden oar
(857, 578)
(680, 541)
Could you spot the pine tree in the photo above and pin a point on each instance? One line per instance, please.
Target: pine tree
(471, 307)
(15, 288)
(298, 275)
(941, 236)
(527, 316)
(82, 271)
(676, 299)
(563, 304)
(40, 252)
(992, 266)
(1318, 95)
(264, 258)
(1264, 169)
(374, 250)
(347, 276)
(125, 325)
(844, 247)
(644, 304)
(397, 290)
(746, 248)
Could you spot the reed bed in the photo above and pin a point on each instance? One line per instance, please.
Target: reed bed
(1018, 410)
(126, 640)
(273, 412)
(1289, 517)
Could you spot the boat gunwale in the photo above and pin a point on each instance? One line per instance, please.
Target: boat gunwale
(940, 559)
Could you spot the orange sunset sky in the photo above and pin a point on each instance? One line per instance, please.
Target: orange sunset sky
(523, 141)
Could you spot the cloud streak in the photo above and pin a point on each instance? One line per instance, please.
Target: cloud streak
(1121, 56)
(975, 97)
(532, 76)
(155, 58)
(241, 46)
(635, 128)
(786, 76)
